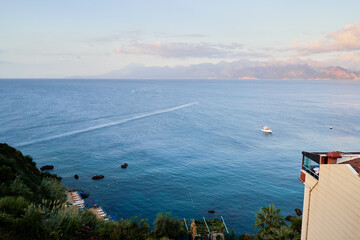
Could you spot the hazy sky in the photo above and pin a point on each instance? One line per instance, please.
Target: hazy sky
(87, 37)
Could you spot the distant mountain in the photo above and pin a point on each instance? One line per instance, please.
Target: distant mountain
(234, 70)
(338, 73)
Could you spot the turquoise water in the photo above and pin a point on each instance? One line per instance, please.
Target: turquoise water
(191, 146)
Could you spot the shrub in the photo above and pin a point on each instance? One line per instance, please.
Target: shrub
(6, 221)
(52, 189)
(68, 222)
(130, 229)
(30, 226)
(13, 205)
(166, 226)
(19, 188)
(105, 229)
(296, 223)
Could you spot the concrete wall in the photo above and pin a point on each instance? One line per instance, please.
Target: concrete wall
(332, 205)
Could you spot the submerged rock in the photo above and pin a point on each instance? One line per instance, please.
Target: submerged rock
(47, 167)
(96, 177)
(84, 195)
(76, 176)
(124, 165)
(298, 211)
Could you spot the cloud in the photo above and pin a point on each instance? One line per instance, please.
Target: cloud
(139, 35)
(4, 62)
(346, 39)
(191, 35)
(187, 50)
(135, 35)
(309, 62)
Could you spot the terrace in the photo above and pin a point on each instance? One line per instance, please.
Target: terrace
(312, 161)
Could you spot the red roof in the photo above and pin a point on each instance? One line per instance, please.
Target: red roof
(333, 155)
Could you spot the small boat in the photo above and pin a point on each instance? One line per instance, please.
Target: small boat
(331, 127)
(266, 129)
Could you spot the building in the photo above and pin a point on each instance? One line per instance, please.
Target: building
(331, 207)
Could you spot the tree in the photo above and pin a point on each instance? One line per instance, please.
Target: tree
(283, 233)
(268, 219)
(166, 226)
(296, 224)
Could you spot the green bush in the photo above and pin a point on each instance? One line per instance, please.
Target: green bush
(130, 229)
(105, 229)
(166, 226)
(30, 226)
(68, 222)
(6, 221)
(19, 188)
(296, 223)
(284, 233)
(52, 189)
(15, 206)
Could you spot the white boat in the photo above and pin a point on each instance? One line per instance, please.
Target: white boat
(266, 129)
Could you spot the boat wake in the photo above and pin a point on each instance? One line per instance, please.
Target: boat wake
(114, 123)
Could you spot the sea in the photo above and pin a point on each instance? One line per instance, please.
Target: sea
(191, 146)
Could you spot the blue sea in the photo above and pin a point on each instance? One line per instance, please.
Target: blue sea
(191, 146)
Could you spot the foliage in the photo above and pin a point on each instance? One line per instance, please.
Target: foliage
(19, 188)
(296, 224)
(248, 237)
(166, 226)
(15, 206)
(68, 222)
(52, 189)
(283, 233)
(216, 225)
(30, 226)
(273, 226)
(105, 229)
(231, 236)
(268, 219)
(130, 229)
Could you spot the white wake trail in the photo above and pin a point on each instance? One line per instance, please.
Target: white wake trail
(105, 125)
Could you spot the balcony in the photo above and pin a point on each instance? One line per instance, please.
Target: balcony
(313, 171)
(311, 161)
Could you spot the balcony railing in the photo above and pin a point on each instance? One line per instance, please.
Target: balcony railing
(311, 172)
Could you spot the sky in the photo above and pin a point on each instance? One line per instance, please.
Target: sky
(55, 39)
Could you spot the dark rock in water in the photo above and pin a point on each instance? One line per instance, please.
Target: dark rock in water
(298, 211)
(47, 167)
(76, 176)
(96, 177)
(84, 195)
(211, 211)
(124, 165)
(288, 218)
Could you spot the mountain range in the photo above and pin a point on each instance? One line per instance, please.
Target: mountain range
(235, 70)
